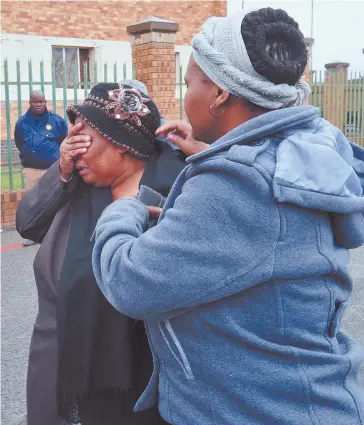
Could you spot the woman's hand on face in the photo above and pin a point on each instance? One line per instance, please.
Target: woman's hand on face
(73, 146)
(179, 133)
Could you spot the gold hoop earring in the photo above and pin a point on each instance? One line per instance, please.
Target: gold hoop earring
(215, 116)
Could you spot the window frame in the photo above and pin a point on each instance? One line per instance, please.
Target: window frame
(60, 84)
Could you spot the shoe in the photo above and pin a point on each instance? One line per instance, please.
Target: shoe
(28, 242)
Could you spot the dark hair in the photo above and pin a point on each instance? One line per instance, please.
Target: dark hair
(275, 45)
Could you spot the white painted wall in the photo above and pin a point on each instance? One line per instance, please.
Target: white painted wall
(184, 54)
(338, 27)
(36, 48)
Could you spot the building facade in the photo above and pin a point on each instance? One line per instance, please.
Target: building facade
(90, 31)
(60, 37)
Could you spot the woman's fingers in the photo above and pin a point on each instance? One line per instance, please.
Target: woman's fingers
(76, 152)
(76, 145)
(73, 146)
(188, 145)
(178, 126)
(179, 133)
(74, 129)
(154, 212)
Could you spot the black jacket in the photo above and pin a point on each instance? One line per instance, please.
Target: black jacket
(104, 361)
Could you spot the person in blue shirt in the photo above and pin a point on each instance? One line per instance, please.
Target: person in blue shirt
(38, 135)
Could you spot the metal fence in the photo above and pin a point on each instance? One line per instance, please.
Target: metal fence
(340, 99)
(72, 89)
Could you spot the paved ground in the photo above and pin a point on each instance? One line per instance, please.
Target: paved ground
(18, 308)
(19, 304)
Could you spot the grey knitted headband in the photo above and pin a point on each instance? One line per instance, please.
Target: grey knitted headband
(219, 50)
(136, 84)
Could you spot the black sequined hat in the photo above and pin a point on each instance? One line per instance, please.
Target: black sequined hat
(122, 114)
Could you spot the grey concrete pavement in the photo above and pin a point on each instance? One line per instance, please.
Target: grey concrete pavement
(19, 306)
(18, 311)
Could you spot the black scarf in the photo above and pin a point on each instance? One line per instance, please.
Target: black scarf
(104, 357)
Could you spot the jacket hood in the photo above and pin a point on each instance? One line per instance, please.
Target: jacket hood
(317, 167)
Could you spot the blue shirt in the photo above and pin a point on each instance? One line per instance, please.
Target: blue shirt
(38, 138)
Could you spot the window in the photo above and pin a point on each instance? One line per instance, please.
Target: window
(69, 64)
(353, 123)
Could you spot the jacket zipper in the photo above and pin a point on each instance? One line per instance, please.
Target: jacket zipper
(181, 358)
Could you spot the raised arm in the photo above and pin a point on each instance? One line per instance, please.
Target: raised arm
(40, 204)
(207, 247)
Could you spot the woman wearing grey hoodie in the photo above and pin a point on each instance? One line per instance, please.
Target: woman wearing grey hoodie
(243, 282)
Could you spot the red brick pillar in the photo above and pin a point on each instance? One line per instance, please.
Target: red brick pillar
(336, 78)
(154, 60)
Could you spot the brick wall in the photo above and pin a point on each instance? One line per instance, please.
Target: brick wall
(9, 204)
(155, 63)
(104, 20)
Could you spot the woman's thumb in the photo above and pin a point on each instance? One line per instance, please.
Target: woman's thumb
(177, 140)
(188, 145)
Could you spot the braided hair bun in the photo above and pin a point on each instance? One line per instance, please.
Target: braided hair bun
(275, 45)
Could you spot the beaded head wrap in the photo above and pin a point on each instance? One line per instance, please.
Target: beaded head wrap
(122, 114)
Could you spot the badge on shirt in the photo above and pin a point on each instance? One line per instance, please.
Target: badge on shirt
(48, 127)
